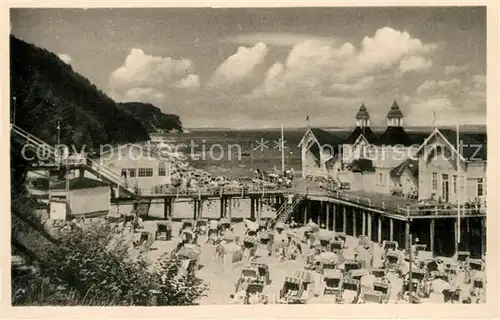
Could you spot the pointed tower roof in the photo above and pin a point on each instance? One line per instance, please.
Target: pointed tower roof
(395, 112)
(362, 113)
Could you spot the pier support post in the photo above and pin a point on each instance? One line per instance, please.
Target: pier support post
(195, 209)
(309, 211)
(369, 225)
(328, 216)
(407, 235)
(334, 217)
(260, 204)
(167, 208)
(344, 220)
(199, 213)
(229, 207)
(456, 231)
(391, 229)
(467, 232)
(223, 207)
(432, 227)
(306, 209)
(363, 231)
(379, 235)
(252, 209)
(354, 222)
(483, 235)
(320, 213)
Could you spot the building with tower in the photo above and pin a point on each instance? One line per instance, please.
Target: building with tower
(365, 160)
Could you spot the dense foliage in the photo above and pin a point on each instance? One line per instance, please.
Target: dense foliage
(90, 267)
(151, 117)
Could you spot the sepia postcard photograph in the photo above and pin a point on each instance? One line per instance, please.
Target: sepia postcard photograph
(210, 156)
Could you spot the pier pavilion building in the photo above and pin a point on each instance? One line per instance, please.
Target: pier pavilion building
(140, 166)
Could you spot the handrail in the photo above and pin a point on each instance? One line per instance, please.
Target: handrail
(288, 208)
(100, 169)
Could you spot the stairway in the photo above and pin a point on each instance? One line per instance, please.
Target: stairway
(286, 210)
(51, 154)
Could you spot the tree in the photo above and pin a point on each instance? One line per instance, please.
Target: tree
(93, 267)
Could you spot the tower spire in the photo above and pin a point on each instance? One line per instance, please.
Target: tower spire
(395, 116)
(362, 117)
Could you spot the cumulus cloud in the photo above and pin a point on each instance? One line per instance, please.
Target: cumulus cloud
(479, 80)
(414, 63)
(477, 92)
(453, 69)
(191, 81)
(238, 66)
(315, 64)
(362, 84)
(138, 94)
(387, 47)
(446, 112)
(144, 77)
(432, 85)
(66, 58)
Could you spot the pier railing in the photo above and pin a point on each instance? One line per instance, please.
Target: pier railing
(412, 210)
(212, 191)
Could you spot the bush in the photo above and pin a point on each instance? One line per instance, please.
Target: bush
(89, 268)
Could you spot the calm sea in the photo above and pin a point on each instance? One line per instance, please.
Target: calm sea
(237, 153)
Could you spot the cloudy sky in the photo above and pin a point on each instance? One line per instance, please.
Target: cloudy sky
(260, 67)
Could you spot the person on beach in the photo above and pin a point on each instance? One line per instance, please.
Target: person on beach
(282, 250)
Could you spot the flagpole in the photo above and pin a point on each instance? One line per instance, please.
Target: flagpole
(458, 189)
(251, 147)
(282, 150)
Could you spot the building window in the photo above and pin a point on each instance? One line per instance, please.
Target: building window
(445, 187)
(132, 172)
(480, 187)
(434, 181)
(454, 182)
(124, 173)
(145, 172)
(162, 171)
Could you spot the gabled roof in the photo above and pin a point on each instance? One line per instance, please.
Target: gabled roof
(395, 112)
(409, 164)
(361, 165)
(473, 145)
(79, 183)
(324, 139)
(366, 132)
(393, 136)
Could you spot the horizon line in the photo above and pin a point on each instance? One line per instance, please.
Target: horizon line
(331, 127)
